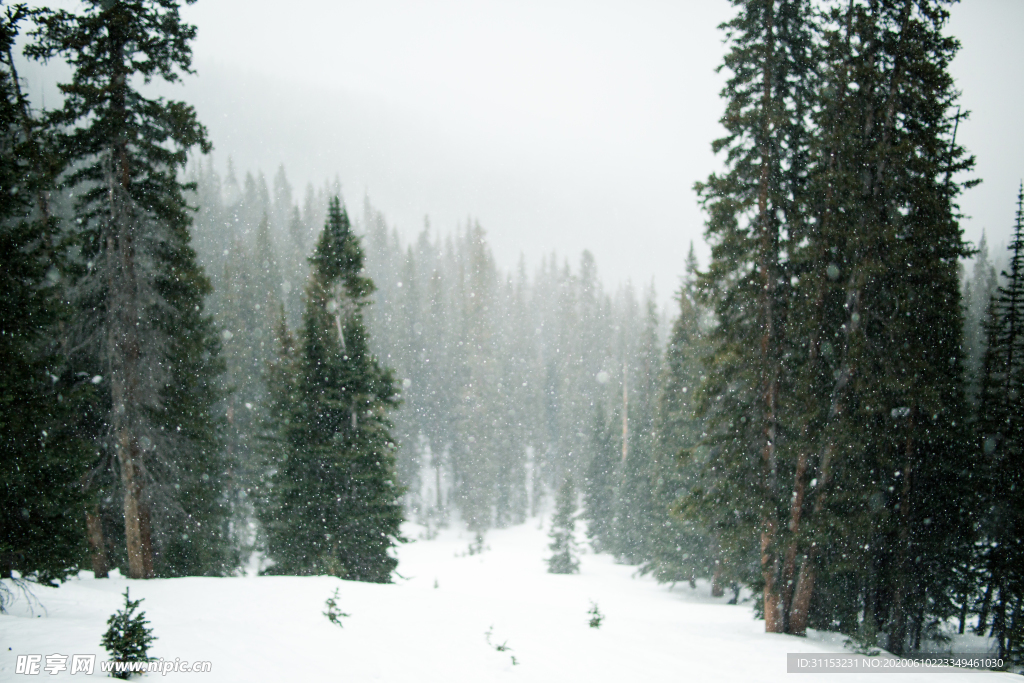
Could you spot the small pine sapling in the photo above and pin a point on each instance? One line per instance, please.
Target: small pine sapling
(477, 546)
(595, 616)
(334, 614)
(127, 638)
(503, 647)
(563, 532)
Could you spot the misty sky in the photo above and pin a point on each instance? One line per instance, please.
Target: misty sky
(558, 125)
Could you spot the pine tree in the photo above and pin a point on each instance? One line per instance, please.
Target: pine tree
(599, 492)
(756, 211)
(43, 460)
(1001, 435)
(634, 503)
(978, 293)
(138, 288)
(680, 549)
(564, 559)
(877, 328)
(128, 637)
(333, 501)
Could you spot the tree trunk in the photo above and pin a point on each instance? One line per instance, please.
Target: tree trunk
(898, 623)
(97, 546)
(770, 570)
(124, 343)
(768, 262)
(789, 565)
(986, 604)
(145, 532)
(717, 589)
(801, 606)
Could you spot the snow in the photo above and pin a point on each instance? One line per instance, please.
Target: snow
(273, 628)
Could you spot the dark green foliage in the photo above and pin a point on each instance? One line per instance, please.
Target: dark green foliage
(332, 613)
(595, 616)
(564, 558)
(599, 493)
(332, 502)
(42, 460)
(1000, 447)
(128, 637)
(137, 289)
(680, 547)
(834, 400)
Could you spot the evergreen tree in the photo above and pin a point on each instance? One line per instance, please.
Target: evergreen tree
(599, 492)
(564, 559)
(978, 293)
(634, 502)
(880, 328)
(680, 548)
(1001, 433)
(43, 460)
(128, 637)
(138, 288)
(333, 502)
(756, 210)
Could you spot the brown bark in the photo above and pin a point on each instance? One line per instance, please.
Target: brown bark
(717, 589)
(770, 570)
(789, 564)
(801, 606)
(145, 531)
(97, 546)
(123, 318)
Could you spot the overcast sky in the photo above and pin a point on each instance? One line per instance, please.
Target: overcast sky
(558, 125)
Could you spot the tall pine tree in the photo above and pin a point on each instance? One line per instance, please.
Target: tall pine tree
(756, 213)
(42, 529)
(1001, 435)
(332, 500)
(138, 289)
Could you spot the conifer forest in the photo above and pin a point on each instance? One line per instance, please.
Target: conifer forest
(211, 370)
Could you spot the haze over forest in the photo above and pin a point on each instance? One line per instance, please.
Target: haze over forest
(559, 127)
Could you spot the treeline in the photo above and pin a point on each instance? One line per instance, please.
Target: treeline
(121, 447)
(849, 468)
(502, 376)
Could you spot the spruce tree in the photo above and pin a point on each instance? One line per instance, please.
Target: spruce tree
(332, 500)
(1001, 436)
(564, 558)
(43, 460)
(877, 326)
(756, 212)
(128, 636)
(138, 289)
(680, 548)
(633, 503)
(599, 491)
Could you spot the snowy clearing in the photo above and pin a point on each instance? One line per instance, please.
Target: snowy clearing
(273, 629)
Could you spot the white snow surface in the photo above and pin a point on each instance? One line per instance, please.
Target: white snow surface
(273, 628)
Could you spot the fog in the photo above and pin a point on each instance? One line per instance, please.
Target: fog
(560, 126)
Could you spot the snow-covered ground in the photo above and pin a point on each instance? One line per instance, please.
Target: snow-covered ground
(431, 624)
